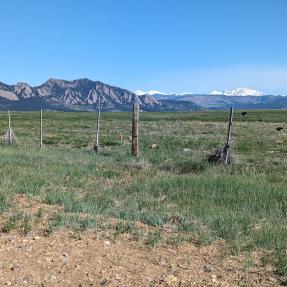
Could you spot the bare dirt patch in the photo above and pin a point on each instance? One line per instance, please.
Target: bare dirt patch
(63, 258)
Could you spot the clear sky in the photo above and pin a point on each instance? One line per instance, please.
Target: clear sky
(169, 45)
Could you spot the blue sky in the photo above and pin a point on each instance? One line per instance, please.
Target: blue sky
(169, 45)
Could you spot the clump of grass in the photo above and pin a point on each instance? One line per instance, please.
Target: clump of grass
(140, 164)
(26, 224)
(11, 222)
(175, 240)
(4, 202)
(74, 221)
(153, 237)
(137, 234)
(57, 221)
(123, 228)
(19, 220)
(191, 166)
(50, 140)
(111, 142)
(220, 155)
(65, 199)
(281, 260)
(110, 173)
(40, 213)
(52, 198)
(87, 223)
(81, 140)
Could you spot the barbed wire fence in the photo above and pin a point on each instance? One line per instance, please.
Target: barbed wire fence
(82, 130)
(43, 128)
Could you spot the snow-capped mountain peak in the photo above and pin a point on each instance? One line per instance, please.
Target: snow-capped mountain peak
(155, 92)
(238, 92)
(216, 93)
(235, 92)
(151, 93)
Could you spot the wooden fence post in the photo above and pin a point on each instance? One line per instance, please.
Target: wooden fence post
(227, 146)
(96, 146)
(135, 130)
(41, 128)
(9, 128)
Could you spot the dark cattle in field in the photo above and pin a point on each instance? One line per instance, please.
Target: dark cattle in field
(244, 113)
(279, 129)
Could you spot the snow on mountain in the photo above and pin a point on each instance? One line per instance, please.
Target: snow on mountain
(235, 92)
(184, 93)
(216, 93)
(243, 92)
(150, 93)
(238, 92)
(155, 92)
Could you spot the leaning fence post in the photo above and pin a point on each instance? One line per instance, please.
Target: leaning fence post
(96, 146)
(135, 130)
(227, 146)
(41, 128)
(9, 128)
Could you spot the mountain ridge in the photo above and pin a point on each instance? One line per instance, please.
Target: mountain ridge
(221, 102)
(235, 92)
(238, 98)
(238, 92)
(85, 95)
(81, 94)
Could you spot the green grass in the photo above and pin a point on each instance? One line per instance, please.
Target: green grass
(18, 220)
(4, 202)
(245, 203)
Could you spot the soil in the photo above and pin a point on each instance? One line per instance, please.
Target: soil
(66, 258)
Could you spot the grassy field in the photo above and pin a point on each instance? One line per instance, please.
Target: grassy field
(170, 186)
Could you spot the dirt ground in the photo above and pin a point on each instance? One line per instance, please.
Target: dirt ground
(63, 258)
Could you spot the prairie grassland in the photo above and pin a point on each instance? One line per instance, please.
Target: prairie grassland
(170, 185)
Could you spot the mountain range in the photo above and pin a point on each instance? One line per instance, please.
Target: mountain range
(86, 95)
(234, 92)
(242, 92)
(240, 98)
(82, 94)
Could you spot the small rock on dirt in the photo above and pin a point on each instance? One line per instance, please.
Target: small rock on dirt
(170, 280)
(104, 282)
(146, 281)
(207, 268)
(65, 258)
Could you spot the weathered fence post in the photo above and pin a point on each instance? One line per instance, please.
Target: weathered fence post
(9, 128)
(227, 146)
(41, 128)
(135, 130)
(96, 146)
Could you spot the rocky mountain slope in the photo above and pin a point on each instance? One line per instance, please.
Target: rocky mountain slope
(77, 94)
(82, 94)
